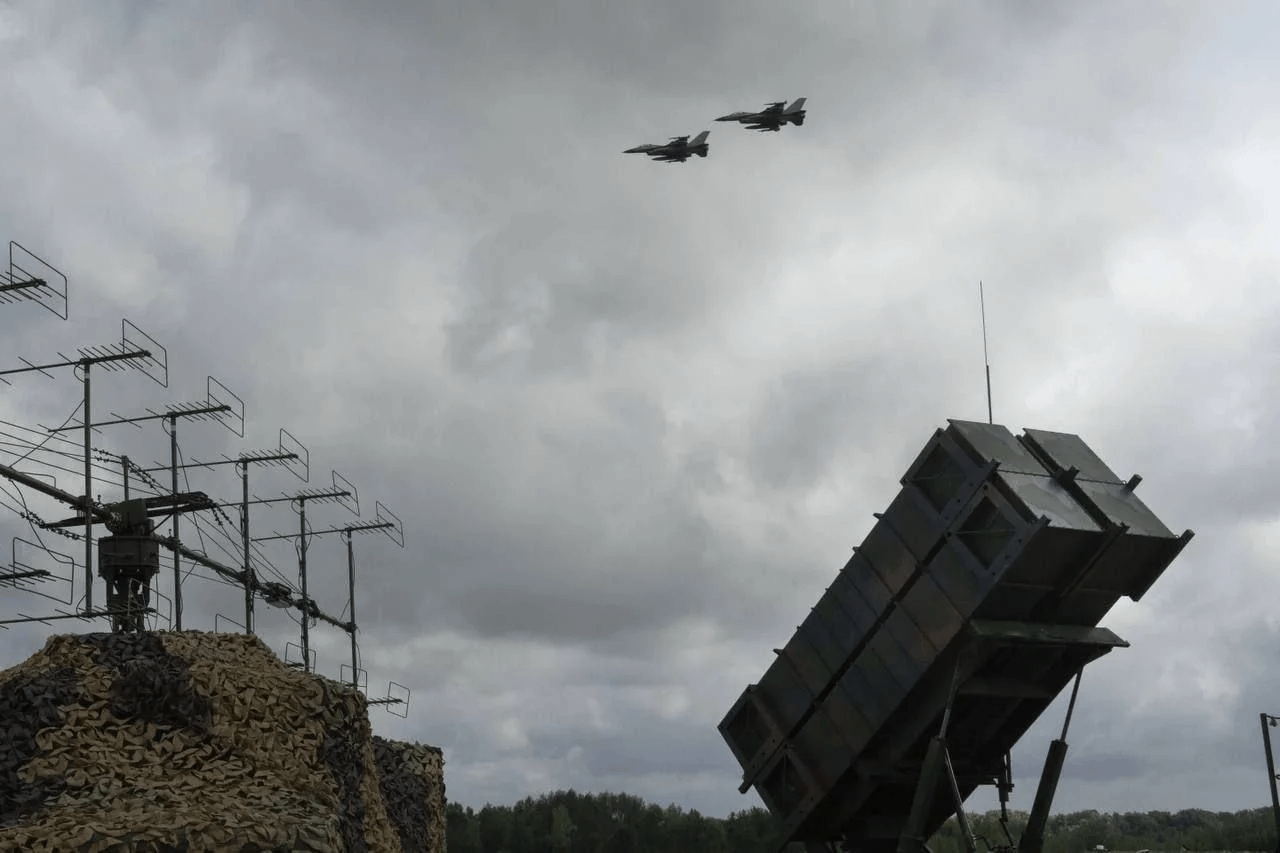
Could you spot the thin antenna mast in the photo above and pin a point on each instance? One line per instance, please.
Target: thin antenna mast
(985, 358)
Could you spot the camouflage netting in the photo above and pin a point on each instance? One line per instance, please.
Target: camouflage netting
(412, 780)
(175, 742)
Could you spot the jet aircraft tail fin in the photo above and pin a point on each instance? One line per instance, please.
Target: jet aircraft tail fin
(795, 107)
(700, 139)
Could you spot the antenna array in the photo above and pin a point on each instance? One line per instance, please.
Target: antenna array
(129, 550)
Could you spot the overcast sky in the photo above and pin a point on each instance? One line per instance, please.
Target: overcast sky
(634, 416)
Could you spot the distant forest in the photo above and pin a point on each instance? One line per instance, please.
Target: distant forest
(568, 822)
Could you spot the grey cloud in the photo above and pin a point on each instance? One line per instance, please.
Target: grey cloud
(808, 417)
(1121, 741)
(390, 193)
(1109, 767)
(519, 536)
(645, 747)
(563, 281)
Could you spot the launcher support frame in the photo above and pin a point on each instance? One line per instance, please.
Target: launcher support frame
(937, 763)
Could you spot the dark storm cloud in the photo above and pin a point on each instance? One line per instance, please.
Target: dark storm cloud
(1229, 422)
(557, 562)
(414, 242)
(807, 417)
(1172, 745)
(1109, 767)
(574, 286)
(647, 746)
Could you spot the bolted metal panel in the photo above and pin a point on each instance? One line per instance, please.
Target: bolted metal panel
(784, 694)
(827, 630)
(1033, 538)
(755, 762)
(888, 556)
(1051, 557)
(1085, 607)
(849, 716)
(988, 531)
(804, 657)
(1131, 566)
(939, 471)
(866, 582)
(946, 472)
(1065, 450)
(995, 529)
(995, 443)
(1121, 505)
(749, 730)
(917, 524)
(1041, 496)
(137, 554)
(1148, 547)
(870, 684)
(902, 670)
(960, 576)
(938, 619)
(859, 615)
(1012, 600)
(824, 749)
(871, 703)
(907, 636)
(786, 785)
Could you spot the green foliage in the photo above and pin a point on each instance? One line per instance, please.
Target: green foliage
(1161, 832)
(568, 822)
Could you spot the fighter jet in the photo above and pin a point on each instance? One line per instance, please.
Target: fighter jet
(676, 150)
(772, 117)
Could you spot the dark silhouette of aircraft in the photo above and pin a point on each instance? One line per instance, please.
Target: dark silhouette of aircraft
(677, 150)
(772, 117)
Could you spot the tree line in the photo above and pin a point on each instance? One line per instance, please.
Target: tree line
(1192, 830)
(569, 822)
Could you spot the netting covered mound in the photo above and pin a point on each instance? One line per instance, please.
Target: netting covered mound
(412, 780)
(188, 741)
